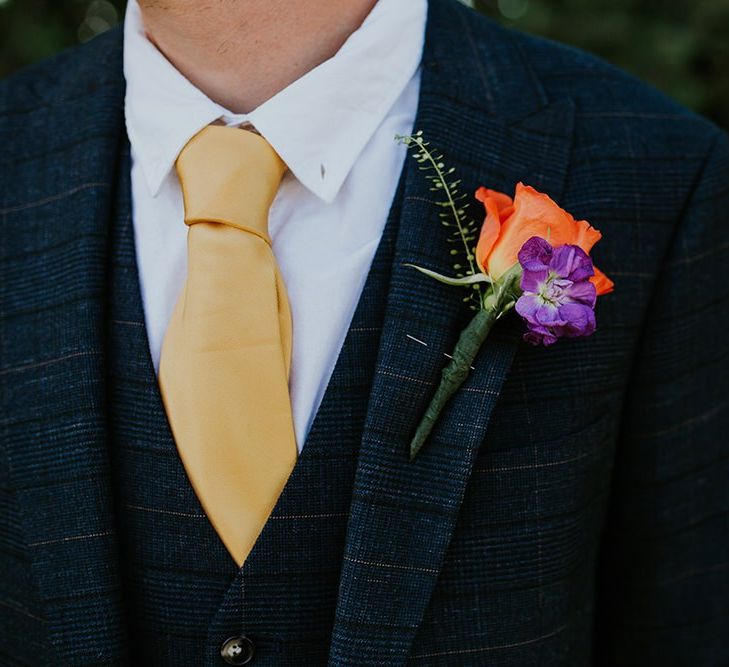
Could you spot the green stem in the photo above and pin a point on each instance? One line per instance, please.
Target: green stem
(455, 373)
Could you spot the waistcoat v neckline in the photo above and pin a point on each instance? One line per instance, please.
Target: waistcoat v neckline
(287, 588)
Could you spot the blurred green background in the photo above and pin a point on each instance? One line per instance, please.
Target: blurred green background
(680, 46)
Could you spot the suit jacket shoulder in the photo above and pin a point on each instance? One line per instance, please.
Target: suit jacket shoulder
(605, 96)
(74, 71)
(55, 103)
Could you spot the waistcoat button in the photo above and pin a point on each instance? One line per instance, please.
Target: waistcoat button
(237, 650)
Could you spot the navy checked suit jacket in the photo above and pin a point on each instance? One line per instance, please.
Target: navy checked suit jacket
(572, 506)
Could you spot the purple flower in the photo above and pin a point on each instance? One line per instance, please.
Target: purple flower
(558, 299)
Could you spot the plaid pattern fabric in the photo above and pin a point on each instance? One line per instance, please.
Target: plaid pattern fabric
(60, 588)
(174, 568)
(571, 506)
(183, 593)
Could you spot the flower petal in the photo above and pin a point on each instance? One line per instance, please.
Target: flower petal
(602, 283)
(570, 261)
(579, 320)
(498, 208)
(583, 292)
(585, 235)
(532, 281)
(535, 254)
(526, 306)
(537, 335)
(535, 214)
(549, 315)
(536, 312)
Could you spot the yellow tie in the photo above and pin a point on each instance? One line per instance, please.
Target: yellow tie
(226, 354)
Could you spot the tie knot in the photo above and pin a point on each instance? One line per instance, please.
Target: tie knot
(230, 176)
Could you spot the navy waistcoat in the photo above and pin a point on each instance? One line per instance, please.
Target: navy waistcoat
(184, 594)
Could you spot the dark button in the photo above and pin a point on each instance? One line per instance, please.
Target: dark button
(237, 650)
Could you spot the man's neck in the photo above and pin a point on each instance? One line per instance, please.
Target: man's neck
(240, 54)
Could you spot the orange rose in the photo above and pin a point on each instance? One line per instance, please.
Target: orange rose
(509, 224)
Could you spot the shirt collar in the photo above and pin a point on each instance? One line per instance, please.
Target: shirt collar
(319, 124)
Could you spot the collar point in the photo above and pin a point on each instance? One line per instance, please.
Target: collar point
(155, 176)
(325, 189)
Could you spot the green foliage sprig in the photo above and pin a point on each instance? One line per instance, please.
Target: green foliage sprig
(454, 207)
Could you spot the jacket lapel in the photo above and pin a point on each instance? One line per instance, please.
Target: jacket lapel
(487, 114)
(56, 434)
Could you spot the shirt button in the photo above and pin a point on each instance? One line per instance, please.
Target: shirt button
(237, 650)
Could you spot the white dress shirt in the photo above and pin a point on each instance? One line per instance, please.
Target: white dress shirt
(334, 127)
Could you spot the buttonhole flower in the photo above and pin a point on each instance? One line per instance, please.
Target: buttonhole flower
(529, 255)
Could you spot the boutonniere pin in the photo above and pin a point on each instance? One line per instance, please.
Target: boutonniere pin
(530, 256)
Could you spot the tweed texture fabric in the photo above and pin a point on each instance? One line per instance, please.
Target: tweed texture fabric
(571, 507)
